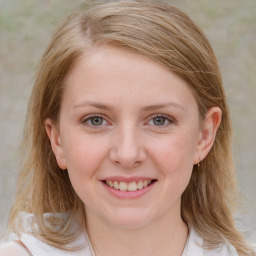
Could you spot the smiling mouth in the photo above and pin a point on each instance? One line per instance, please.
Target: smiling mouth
(131, 186)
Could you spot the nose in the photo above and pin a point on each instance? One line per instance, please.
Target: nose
(127, 148)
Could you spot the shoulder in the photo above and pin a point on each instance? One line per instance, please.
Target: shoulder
(222, 250)
(39, 248)
(196, 247)
(12, 249)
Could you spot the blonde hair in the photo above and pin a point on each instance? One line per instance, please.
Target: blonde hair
(167, 36)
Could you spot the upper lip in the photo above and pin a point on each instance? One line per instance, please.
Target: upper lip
(127, 179)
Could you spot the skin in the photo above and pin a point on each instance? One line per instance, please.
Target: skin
(127, 92)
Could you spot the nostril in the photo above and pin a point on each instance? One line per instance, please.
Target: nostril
(127, 153)
(127, 164)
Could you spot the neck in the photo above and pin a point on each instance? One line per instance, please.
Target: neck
(166, 236)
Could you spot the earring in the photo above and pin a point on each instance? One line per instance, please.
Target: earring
(198, 165)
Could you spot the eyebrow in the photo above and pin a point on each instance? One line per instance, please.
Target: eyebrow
(108, 107)
(94, 104)
(164, 105)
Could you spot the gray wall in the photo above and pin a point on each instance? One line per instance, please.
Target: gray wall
(25, 29)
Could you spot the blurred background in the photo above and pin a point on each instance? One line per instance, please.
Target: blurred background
(25, 30)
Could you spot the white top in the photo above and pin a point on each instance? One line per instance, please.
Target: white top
(39, 248)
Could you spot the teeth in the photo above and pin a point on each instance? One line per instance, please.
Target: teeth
(116, 185)
(140, 185)
(123, 186)
(132, 186)
(111, 184)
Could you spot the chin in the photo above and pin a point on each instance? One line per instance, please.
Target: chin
(129, 219)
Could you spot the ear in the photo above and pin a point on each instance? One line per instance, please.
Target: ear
(54, 136)
(208, 132)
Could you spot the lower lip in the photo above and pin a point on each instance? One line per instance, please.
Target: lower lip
(128, 194)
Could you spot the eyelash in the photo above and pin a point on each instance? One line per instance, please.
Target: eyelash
(167, 118)
(151, 118)
(90, 117)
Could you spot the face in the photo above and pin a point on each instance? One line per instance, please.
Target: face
(129, 134)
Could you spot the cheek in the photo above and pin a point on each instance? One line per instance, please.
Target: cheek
(173, 157)
(174, 151)
(84, 155)
(84, 158)
(175, 165)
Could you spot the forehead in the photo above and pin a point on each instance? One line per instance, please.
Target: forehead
(109, 73)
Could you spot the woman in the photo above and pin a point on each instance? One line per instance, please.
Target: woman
(127, 143)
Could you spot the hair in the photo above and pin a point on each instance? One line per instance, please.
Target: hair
(165, 35)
